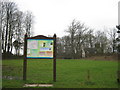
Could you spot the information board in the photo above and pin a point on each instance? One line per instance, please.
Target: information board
(40, 48)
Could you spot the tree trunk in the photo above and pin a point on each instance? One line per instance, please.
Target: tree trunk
(11, 44)
(8, 48)
(6, 37)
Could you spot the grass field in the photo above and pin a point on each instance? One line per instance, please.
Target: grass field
(70, 73)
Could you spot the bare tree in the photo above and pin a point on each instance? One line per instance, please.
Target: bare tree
(60, 48)
(13, 26)
(90, 38)
(1, 24)
(28, 21)
(76, 32)
(80, 39)
(113, 35)
(72, 30)
(7, 19)
(19, 32)
(101, 42)
(66, 40)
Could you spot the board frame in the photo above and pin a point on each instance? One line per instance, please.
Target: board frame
(25, 54)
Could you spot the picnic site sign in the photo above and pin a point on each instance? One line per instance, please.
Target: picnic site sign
(39, 47)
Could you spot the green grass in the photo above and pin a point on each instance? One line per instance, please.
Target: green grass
(70, 73)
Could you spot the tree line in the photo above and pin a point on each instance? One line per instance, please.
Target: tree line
(13, 26)
(83, 41)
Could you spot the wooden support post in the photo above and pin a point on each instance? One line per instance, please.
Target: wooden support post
(118, 72)
(54, 59)
(25, 58)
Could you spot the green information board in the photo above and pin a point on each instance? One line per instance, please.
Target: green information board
(40, 48)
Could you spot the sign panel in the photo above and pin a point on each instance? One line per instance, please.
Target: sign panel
(40, 48)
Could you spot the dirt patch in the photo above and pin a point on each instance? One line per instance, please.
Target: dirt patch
(12, 77)
(108, 58)
(38, 85)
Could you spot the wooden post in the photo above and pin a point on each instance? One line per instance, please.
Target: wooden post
(25, 58)
(88, 75)
(118, 72)
(54, 59)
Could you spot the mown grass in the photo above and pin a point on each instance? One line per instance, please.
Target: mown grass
(70, 73)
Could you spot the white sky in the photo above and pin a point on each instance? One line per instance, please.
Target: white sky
(54, 16)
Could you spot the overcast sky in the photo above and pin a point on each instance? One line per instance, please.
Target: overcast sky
(54, 16)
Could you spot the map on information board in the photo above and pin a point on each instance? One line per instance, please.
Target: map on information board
(39, 48)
